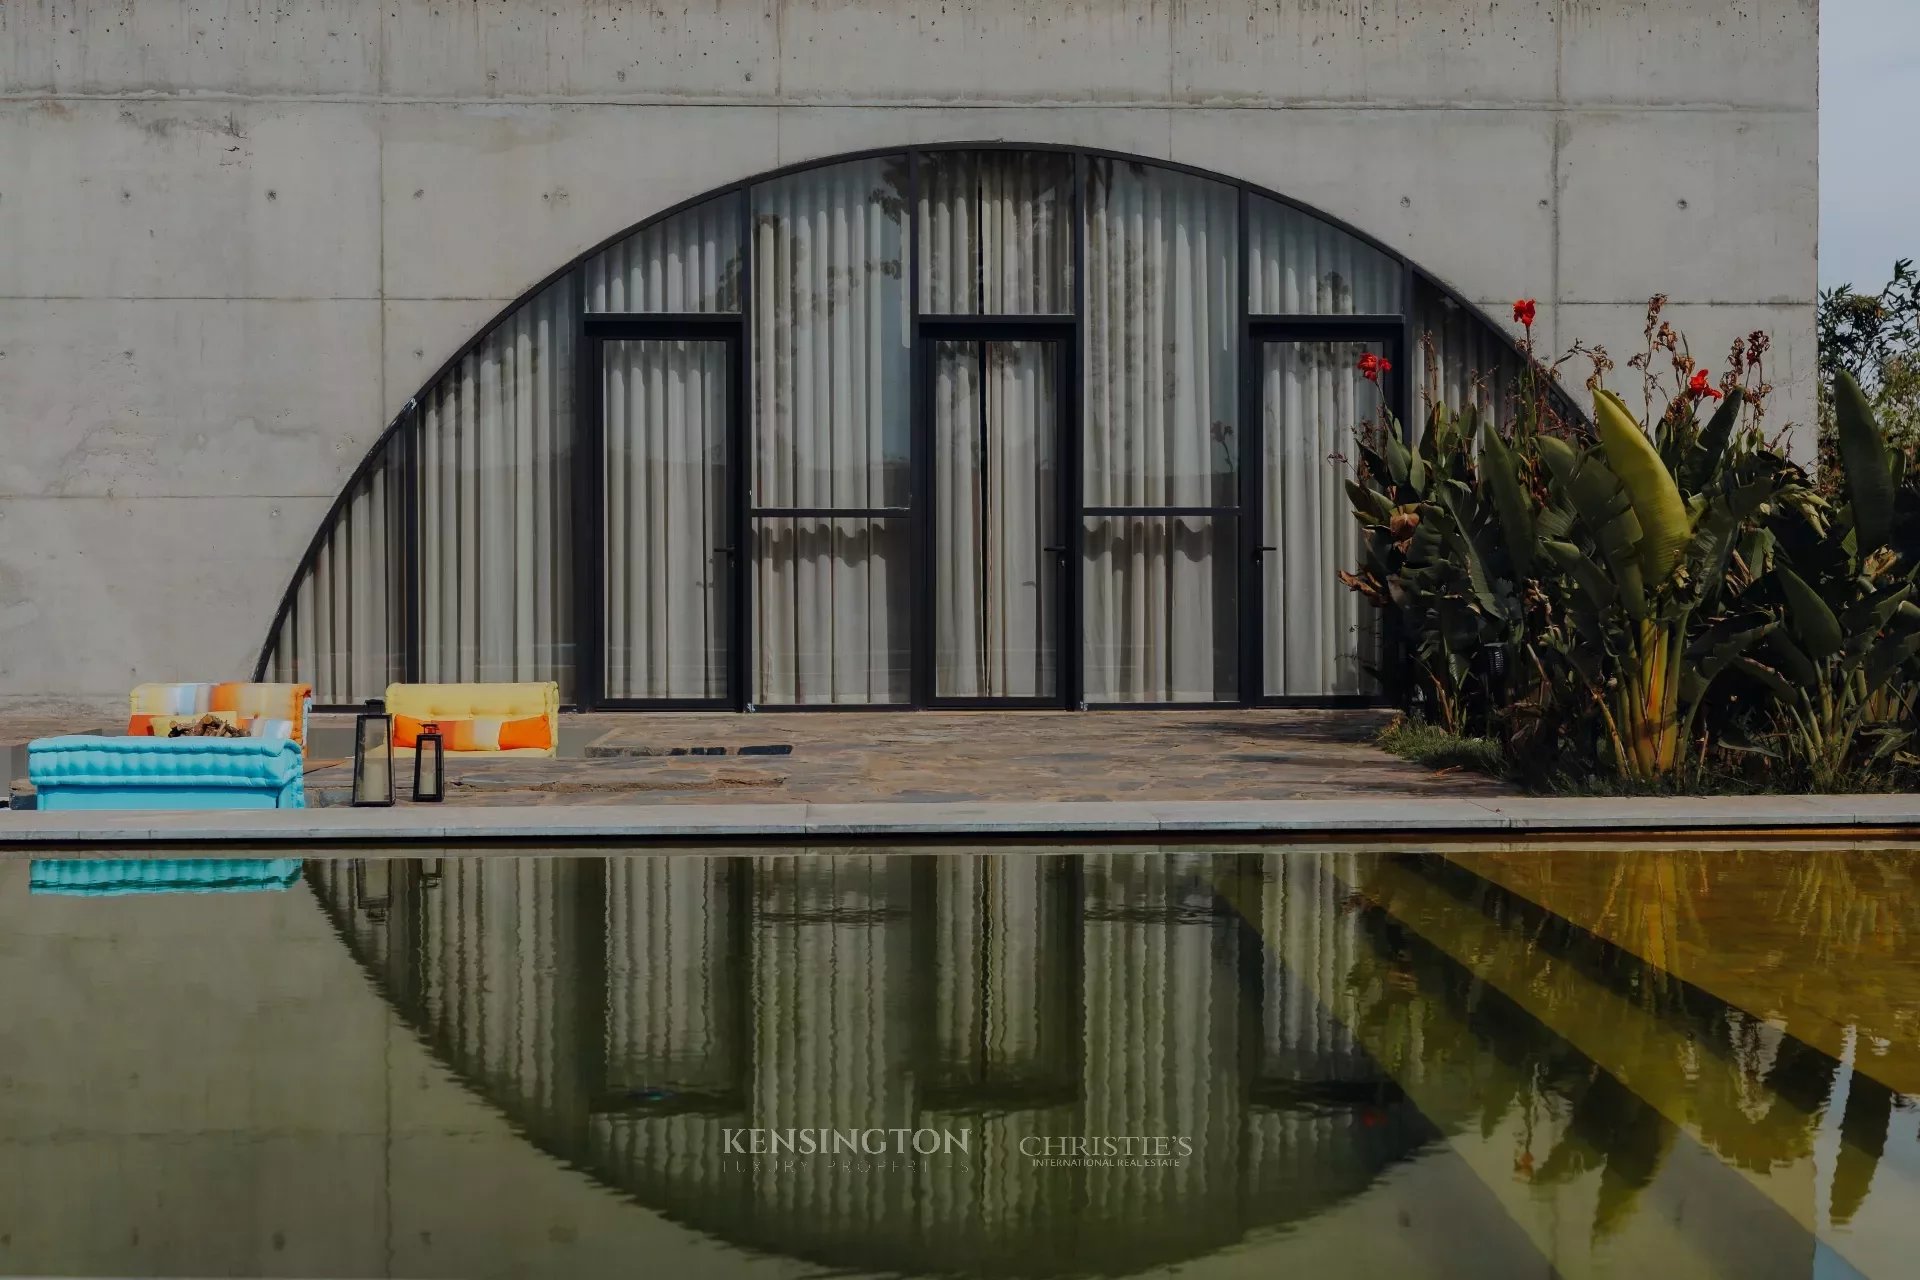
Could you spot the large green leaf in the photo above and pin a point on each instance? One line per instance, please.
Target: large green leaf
(1605, 508)
(1510, 501)
(1712, 445)
(1813, 622)
(1664, 527)
(1591, 580)
(1863, 454)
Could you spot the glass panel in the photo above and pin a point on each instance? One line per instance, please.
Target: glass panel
(689, 262)
(1162, 347)
(994, 233)
(345, 632)
(1320, 636)
(831, 610)
(1300, 265)
(496, 474)
(664, 406)
(1161, 609)
(996, 519)
(832, 331)
(1462, 359)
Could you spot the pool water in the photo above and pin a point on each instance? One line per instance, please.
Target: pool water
(1020, 1062)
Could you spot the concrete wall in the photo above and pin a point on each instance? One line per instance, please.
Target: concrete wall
(238, 234)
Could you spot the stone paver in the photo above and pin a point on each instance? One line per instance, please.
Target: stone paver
(940, 757)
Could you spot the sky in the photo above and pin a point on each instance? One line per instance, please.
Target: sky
(1869, 163)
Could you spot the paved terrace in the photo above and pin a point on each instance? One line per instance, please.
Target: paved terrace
(933, 757)
(1176, 777)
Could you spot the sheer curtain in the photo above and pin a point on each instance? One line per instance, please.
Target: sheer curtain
(832, 328)
(664, 407)
(688, 263)
(496, 547)
(1320, 636)
(1161, 345)
(1460, 361)
(995, 233)
(996, 519)
(344, 630)
(1299, 265)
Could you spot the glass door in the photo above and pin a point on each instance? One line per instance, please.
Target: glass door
(999, 547)
(666, 413)
(1318, 638)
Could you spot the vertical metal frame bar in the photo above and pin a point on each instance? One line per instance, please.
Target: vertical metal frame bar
(411, 604)
(921, 630)
(740, 457)
(1250, 531)
(1073, 435)
(589, 528)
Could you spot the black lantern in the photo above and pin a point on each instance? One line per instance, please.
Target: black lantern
(429, 765)
(373, 755)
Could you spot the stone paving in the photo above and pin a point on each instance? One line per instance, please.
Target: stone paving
(931, 756)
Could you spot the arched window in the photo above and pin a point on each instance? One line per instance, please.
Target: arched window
(959, 426)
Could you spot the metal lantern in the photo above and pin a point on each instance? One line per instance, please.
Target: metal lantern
(373, 755)
(429, 765)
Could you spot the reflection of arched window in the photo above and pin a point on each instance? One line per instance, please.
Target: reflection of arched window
(625, 1014)
(955, 426)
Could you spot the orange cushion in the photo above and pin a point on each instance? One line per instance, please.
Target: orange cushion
(140, 727)
(533, 732)
(406, 731)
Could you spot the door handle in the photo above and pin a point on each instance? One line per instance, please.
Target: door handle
(1259, 553)
(723, 551)
(1059, 551)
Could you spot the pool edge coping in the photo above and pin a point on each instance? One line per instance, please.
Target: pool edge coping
(799, 823)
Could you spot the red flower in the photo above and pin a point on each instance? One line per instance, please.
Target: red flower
(1524, 311)
(1372, 366)
(1702, 386)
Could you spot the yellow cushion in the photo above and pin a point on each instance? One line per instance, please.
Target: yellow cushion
(479, 702)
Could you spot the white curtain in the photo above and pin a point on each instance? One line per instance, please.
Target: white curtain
(1470, 362)
(688, 263)
(995, 519)
(1299, 265)
(1319, 635)
(664, 407)
(995, 234)
(496, 547)
(831, 404)
(343, 634)
(1161, 339)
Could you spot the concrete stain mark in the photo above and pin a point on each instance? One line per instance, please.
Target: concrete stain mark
(164, 125)
(112, 451)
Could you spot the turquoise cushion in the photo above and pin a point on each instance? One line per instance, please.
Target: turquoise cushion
(110, 877)
(87, 772)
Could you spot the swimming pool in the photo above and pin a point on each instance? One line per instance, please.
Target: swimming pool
(1469, 1061)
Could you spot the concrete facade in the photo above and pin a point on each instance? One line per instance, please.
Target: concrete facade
(239, 234)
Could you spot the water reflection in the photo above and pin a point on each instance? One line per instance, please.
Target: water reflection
(1487, 1062)
(627, 1012)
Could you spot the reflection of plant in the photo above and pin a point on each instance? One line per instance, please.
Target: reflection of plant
(1434, 1001)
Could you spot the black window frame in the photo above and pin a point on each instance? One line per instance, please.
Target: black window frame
(1396, 330)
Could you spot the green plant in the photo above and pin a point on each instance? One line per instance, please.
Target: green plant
(1873, 338)
(1840, 669)
(1663, 605)
(1651, 579)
